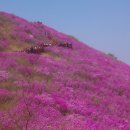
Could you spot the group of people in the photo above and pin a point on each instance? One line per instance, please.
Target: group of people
(40, 48)
(65, 44)
(35, 49)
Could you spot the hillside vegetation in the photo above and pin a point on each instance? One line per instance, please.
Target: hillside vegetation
(61, 88)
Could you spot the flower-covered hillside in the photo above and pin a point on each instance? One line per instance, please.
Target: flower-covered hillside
(17, 33)
(62, 88)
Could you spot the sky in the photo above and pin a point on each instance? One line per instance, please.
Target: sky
(101, 24)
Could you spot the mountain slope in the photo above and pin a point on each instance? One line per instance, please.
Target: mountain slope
(61, 88)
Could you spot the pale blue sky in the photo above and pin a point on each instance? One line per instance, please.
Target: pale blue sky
(102, 24)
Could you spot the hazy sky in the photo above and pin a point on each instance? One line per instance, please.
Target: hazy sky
(102, 24)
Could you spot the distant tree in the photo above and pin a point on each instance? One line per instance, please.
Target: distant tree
(112, 55)
(73, 37)
(38, 22)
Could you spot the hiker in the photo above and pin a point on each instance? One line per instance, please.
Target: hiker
(31, 50)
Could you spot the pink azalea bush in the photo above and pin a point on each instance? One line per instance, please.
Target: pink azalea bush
(61, 89)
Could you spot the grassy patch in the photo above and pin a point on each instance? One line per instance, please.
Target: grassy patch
(51, 54)
(7, 102)
(9, 85)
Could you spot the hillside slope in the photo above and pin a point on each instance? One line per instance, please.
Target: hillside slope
(62, 88)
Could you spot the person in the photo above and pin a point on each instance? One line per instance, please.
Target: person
(31, 50)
